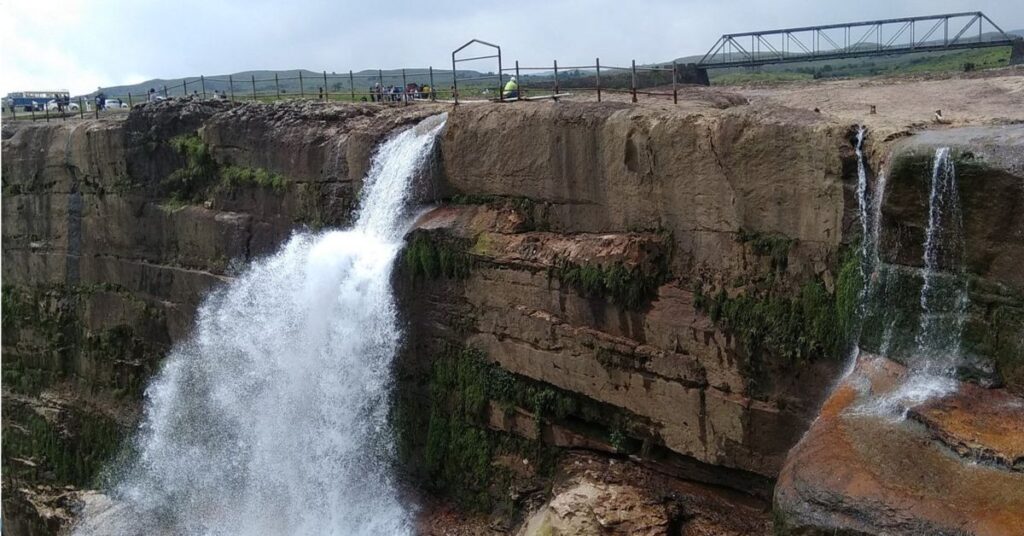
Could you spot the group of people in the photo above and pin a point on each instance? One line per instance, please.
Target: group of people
(390, 93)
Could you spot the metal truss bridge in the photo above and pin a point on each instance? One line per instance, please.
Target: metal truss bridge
(933, 33)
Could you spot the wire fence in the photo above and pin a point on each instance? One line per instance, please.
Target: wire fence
(402, 86)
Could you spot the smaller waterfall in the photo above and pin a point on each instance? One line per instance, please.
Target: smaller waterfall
(876, 217)
(862, 195)
(943, 299)
(865, 247)
(943, 294)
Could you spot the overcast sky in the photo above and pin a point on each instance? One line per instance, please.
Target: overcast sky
(81, 45)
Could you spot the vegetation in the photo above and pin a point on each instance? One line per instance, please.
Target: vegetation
(429, 256)
(778, 330)
(37, 448)
(45, 340)
(449, 442)
(629, 287)
(202, 176)
(776, 247)
(460, 450)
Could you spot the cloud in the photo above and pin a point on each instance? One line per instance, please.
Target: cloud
(81, 45)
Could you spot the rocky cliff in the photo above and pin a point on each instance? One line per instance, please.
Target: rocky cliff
(669, 287)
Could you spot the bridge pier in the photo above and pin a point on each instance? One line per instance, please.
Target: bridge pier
(689, 73)
(1017, 51)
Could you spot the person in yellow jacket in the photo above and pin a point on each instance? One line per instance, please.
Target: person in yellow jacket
(511, 89)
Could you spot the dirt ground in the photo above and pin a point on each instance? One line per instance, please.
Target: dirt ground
(990, 97)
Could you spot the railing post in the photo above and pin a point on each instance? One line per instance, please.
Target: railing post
(633, 81)
(597, 61)
(231, 84)
(277, 85)
(130, 104)
(81, 108)
(675, 90)
(253, 87)
(302, 90)
(165, 91)
(380, 80)
(327, 92)
(95, 107)
(351, 85)
(433, 90)
(46, 111)
(556, 77)
(455, 81)
(405, 92)
(32, 109)
(202, 81)
(519, 84)
(501, 93)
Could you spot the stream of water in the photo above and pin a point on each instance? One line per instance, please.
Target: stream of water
(272, 418)
(943, 296)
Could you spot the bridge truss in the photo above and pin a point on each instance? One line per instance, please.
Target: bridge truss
(856, 39)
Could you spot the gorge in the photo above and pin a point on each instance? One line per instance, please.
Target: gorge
(614, 318)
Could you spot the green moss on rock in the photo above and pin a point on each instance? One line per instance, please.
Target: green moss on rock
(631, 288)
(779, 328)
(430, 256)
(774, 246)
(71, 450)
(201, 175)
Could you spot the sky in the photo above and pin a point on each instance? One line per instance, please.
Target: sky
(81, 45)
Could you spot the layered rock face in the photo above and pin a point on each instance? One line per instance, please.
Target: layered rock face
(661, 284)
(671, 285)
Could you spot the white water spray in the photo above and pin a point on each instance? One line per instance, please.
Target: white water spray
(273, 417)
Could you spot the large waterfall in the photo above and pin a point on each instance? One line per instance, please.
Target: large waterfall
(272, 418)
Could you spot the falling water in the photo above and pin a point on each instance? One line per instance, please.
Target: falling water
(272, 418)
(943, 300)
(943, 294)
(865, 248)
(862, 196)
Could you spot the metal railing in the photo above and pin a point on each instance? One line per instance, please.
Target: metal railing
(597, 79)
(395, 87)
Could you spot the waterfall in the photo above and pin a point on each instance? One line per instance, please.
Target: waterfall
(862, 197)
(943, 300)
(866, 245)
(943, 293)
(272, 418)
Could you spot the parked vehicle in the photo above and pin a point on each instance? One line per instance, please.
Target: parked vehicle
(71, 106)
(34, 100)
(114, 104)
